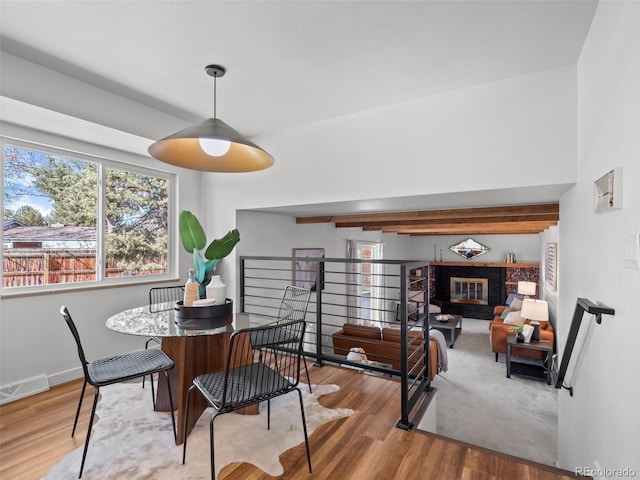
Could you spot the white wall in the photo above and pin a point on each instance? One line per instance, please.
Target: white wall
(601, 422)
(272, 234)
(524, 247)
(515, 133)
(34, 339)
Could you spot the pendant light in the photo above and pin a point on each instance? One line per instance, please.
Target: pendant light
(212, 145)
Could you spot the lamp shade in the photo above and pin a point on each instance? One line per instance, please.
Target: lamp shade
(533, 309)
(526, 288)
(184, 149)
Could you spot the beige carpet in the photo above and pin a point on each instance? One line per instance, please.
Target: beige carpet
(131, 441)
(477, 404)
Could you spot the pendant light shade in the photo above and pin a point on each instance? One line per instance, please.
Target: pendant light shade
(212, 145)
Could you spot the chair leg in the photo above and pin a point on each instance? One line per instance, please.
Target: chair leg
(184, 425)
(268, 414)
(150, 379)
(211, 448)
(75, 422)
(496, 356)
(86, 442)
(306, 370)
(304, 428)
(153, 393)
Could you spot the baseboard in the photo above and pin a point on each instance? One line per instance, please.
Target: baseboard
(66, 376)
(38, 384)
(23, 388)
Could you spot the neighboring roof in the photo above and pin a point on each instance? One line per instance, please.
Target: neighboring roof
(11, 223)
(26, 234)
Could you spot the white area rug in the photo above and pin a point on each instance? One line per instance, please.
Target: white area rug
(476, 403)
(131, 441)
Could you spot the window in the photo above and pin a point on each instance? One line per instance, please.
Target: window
(73, 220)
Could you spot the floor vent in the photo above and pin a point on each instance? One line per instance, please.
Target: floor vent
(30, 386)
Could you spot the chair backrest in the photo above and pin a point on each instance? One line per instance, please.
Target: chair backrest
(164, 298)
(74, 331)
(275, 372)
(293, 306)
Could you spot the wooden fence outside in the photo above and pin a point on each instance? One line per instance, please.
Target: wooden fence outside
(31, 267)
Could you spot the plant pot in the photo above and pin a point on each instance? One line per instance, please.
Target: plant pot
(520, 337)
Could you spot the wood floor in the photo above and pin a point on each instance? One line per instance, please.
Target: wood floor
(35, 435)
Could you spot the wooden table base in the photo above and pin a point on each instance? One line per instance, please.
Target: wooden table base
(193, 356)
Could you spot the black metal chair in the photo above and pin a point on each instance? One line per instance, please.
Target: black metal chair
(108, 371)
(161, 299)
(247, 380)
(164, 298)
(293, 306)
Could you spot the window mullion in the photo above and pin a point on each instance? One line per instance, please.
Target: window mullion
(101, 253)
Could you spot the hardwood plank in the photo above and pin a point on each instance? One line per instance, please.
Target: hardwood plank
(35, 435)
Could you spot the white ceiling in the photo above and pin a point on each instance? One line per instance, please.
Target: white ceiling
(292, 62)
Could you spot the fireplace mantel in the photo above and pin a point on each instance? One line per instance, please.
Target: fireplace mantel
(486, 264)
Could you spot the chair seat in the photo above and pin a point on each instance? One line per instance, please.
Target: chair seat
(247, 385)
(111, 370)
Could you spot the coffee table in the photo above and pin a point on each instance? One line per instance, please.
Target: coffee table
(451, 328)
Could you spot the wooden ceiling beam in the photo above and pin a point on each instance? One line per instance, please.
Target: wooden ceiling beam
(466, 226)
(551, 217)
(467, 233)
(468, 229)
(552, 208)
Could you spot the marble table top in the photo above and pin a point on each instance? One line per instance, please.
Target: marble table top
(155, 321)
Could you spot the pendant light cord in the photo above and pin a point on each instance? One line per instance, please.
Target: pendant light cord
(215, 97)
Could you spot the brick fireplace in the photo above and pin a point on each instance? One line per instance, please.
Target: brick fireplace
(471, 280)
(502, 279)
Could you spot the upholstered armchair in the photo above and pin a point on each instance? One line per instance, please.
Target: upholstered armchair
(499, 331)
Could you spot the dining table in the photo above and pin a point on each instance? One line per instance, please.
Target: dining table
(194, 351)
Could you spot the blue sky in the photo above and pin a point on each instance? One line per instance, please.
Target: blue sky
(25, 183)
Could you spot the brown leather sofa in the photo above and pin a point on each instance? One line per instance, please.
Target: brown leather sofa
(383, 345)
(500, 331)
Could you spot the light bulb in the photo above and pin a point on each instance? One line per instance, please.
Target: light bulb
(214, 147)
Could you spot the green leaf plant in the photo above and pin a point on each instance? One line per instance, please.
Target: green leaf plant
(194, 241)
(518, 329)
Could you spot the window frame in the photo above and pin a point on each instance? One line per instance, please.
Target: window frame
(103, 162)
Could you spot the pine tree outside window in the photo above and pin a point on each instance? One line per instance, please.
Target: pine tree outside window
(75, 220)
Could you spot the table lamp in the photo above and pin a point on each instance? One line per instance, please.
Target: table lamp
(527, 289)
(535, 310)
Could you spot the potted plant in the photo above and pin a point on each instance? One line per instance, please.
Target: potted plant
(519, 331)
(194, 241)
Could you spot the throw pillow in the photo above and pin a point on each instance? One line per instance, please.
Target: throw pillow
(516, 304)
(505, 312)
(514, 318)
